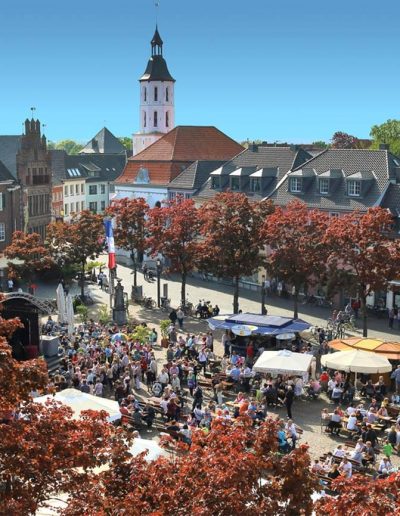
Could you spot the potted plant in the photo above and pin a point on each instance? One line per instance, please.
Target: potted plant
(164, 332)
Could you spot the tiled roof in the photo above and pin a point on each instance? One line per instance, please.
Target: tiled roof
(376, 165)
(105, 167)
(190, 143)
(176, 150)
(5, 174)
(105, 143)
(391, 199)
(258, 157)
(9, 146)
(195, 175)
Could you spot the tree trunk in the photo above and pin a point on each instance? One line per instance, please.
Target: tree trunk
(83, 281)
(183, 289)
(134, 275)
(236, 295)
(296, 304)
(363, 301)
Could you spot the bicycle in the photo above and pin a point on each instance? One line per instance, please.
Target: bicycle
(165, 304)
(148, 302)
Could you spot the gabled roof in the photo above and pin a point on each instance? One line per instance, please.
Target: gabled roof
(194, 175)
(173, 152)
(376, 166)
(276, 161)
(9, 147)
(91, 167)
(104, 143)
(5, 174)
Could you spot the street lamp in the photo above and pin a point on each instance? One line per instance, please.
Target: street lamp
(263, 309)
(159, 266)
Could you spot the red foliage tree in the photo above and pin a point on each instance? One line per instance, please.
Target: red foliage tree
(297, 254)
(28, 248)
(363, 252)
(231, 241)
(174, 231)
(77, 241)
(130, 229)
(220, 474)
(362, 496)
(342, 140)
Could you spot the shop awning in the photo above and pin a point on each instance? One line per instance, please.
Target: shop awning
(265, 324)
(390, 350)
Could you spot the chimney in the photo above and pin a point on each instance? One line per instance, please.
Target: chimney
(253, 147)
(383, 146)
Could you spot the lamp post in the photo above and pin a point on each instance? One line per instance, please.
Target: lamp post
(263, 309)
(159, 266)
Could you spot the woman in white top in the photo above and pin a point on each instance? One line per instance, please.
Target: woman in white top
(339, 452)
(352, 423)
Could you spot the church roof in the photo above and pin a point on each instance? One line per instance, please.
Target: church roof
(176, 150)
(157, 70)
(103, 143)
(157, 38)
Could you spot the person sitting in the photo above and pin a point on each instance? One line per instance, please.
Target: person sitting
(370, 436)
(328, 462)
(337, 393)
(339, 452)
(317, 467)
(385, 463)
(368, 390)
(357, 456)
(369, 454)
(186, 434)
(334, 472)
(346, 468)
(335, 424)
(283, 445)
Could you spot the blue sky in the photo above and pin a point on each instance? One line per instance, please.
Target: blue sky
(276, 70)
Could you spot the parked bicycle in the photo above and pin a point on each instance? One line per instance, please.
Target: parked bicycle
(165, 304)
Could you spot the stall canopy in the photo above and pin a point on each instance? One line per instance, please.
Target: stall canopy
(357, 361)
(79, 401)
(283, 362)
(260, 324)
(390, 350)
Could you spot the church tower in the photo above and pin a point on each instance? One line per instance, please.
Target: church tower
(157, 112)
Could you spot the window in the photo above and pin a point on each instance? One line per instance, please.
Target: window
(112, 188)
(235, 183)
(93, 207)
(71, 189)
(155, 94)
(324, 186)
(155, 119)
(82, 205)
(82, 188)
(296, 184)
(166, 94)
(103, 189)
(144, 119)
(167, 119)
(2, 232)
(72, 207)
(66, 210)
(103, 205)
(93, 190)
(215, 182)
(145, 94)
(354, 188)
(66, 191)
(76, 189)
(255, 184)
(1, 201)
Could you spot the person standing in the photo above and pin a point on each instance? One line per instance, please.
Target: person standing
(289, 401)
(391, 317)
(396, 377)
(180, 315)
(10, 284)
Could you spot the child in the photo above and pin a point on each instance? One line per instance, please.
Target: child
(387, 449)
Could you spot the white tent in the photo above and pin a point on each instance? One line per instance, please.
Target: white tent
(283, 362)
(79, 401)
(357, 361)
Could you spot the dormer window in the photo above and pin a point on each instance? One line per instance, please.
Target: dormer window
(354, 188)
(296, 184)
(255, 184)
(324, 186)
(235, 184)
(215, 182)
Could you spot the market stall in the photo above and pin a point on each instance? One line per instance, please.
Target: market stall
(283, 362)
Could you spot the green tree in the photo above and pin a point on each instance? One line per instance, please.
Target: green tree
(389, 133)
(70, 146)
(126, 142)
(321, 144)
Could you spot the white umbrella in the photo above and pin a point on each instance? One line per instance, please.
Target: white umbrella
(357, 361)
(283, 362)
(243, 329)
(61, 305)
